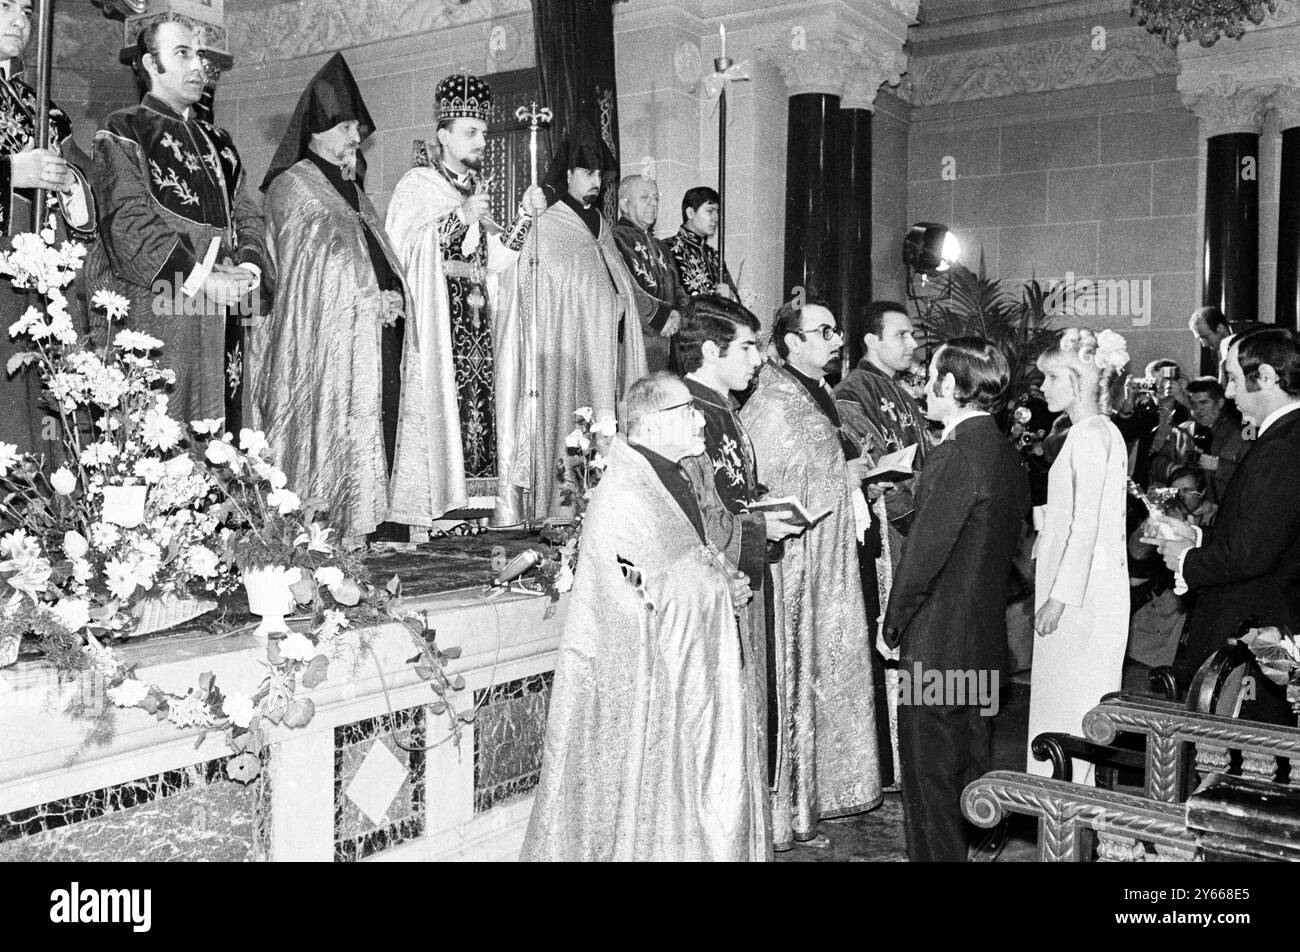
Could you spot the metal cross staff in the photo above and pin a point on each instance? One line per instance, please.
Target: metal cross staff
(536, 116)
(44, 63)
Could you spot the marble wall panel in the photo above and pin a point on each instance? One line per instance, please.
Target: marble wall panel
(509, 732)
(194, 814)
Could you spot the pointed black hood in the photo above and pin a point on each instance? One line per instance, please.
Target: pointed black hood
(582, 148)
(331, 97)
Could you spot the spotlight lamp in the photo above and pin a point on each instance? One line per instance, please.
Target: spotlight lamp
(930, 247)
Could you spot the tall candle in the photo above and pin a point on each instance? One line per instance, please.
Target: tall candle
(722, 36)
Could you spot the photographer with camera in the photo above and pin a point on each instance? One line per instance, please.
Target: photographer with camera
(1210, 441)
(1151, 407)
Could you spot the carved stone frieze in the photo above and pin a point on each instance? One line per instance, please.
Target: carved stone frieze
(1035, 67)
(288, 30)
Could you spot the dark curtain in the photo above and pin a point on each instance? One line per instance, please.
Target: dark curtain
(575, 70)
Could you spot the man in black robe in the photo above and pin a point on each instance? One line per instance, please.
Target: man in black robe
(662, 298)
(181, 236)
(719, 351)
(698, 264)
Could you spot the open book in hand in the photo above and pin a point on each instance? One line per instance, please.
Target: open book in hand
(893, 467)
(791, 510)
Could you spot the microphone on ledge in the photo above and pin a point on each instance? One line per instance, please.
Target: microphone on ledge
(517, 566)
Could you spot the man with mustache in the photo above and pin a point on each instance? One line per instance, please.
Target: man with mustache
(181, 233)
(823, 649)
(24, 169)
(579, 298)
(338, 389)
(461, 269)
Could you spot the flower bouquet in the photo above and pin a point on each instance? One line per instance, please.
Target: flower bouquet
(136, 528)
(579, 470)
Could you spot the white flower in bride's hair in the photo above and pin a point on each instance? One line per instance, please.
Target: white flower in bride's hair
(111, 303)
(1112, 351)
(605, 427)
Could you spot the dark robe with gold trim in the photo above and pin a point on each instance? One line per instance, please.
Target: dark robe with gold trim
(167, 187)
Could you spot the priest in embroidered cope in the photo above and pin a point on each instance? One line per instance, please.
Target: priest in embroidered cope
(461, 268)
(337, 387)
(24, 169)
(824, 654)
(588, 333)
(169, 186)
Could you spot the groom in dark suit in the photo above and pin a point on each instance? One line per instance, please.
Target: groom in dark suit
(1246, 568)
(947, 609)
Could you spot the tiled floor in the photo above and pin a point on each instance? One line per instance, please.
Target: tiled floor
(878, 836)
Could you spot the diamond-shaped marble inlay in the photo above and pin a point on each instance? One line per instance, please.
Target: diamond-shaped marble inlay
(375, 808)
(377, 782)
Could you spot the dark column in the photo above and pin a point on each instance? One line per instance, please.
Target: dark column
(1288, 232)
(1230, 255)
(854, 201)
(811, 198)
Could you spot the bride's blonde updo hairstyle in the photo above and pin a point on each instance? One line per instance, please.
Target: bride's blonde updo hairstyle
(1096, 361)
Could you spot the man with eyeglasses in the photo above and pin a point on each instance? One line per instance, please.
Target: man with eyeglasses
(652, 751)
(824, 649)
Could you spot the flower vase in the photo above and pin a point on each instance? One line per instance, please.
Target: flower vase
(124, 505)
(270, 595)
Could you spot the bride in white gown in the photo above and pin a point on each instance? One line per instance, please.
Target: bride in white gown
(1081, 587)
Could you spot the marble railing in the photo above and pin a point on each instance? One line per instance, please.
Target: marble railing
(375, 775)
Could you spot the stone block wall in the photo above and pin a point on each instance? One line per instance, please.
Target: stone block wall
(1051, 158)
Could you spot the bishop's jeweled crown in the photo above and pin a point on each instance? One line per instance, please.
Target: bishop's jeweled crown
(464, 96)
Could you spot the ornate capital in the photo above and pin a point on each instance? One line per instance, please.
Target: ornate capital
(1286, 105)
(840, 51)
(868, 71)
(815, 66)
(1226, 106)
